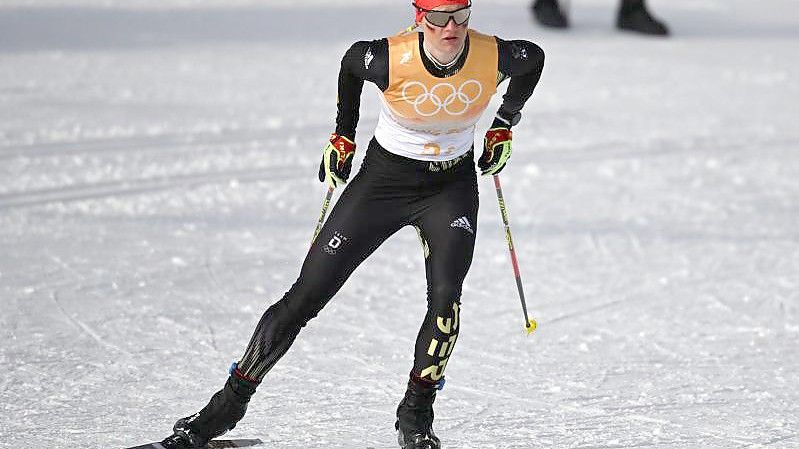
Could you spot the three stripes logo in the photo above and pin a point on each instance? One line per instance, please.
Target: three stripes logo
(463, 223)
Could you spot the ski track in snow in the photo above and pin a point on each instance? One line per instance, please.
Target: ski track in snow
(158, 192)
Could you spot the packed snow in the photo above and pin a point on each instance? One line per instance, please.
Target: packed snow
(158, 192)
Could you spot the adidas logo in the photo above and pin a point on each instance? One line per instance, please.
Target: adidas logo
(463, 223)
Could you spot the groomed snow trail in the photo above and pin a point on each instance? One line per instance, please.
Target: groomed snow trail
(158, 192)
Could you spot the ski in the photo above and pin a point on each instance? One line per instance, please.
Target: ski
(214, 444)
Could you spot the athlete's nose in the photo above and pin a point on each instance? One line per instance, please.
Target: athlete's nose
(451, 25)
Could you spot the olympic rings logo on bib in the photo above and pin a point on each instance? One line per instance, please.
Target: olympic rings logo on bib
(443, 96)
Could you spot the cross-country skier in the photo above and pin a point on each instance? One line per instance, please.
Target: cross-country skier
(418, 170)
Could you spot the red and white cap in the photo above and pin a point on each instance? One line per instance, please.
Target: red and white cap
(433, 4)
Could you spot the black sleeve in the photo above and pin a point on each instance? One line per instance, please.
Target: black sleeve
(522, 62)
(364, 61)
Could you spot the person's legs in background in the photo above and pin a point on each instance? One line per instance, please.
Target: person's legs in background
(633, 15)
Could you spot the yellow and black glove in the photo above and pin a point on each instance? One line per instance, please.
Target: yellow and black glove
(336, 161)
(496, 150)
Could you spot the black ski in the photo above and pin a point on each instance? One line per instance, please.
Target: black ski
(214, 444)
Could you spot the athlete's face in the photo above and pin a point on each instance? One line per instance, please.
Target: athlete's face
(448, 39)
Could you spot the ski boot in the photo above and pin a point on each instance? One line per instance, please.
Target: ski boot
(415, 416)
(226, 408)
(633, 16)
(549, 14)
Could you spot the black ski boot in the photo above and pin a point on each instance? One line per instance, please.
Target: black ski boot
(226, 408)
(549, 14)
(633, 16)
(415, 417)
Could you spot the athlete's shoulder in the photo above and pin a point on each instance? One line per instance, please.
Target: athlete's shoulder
(368, 60)
(520, 49)
(362, 47)
(363, 55)
(477, 36)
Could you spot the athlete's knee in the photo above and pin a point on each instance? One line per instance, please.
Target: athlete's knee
(442, 295)
(443, 308)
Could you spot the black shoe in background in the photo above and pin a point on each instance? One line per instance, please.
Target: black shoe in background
(633, 16)
(549, 14)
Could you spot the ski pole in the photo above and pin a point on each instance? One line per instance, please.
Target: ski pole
(529, 324)
(325, 205)
(408, 30)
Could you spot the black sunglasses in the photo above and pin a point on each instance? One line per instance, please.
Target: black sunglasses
(442, 18)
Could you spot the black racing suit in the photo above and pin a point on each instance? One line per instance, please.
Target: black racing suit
(391, 191)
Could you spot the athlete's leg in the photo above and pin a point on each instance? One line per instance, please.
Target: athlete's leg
(449, 228)
(358, 224)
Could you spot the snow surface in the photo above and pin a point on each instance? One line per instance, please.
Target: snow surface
(158, 192)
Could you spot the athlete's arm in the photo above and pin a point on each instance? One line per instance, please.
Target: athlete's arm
(522, 62)
(364, 61)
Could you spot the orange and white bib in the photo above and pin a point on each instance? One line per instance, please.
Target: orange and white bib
(433, 119)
